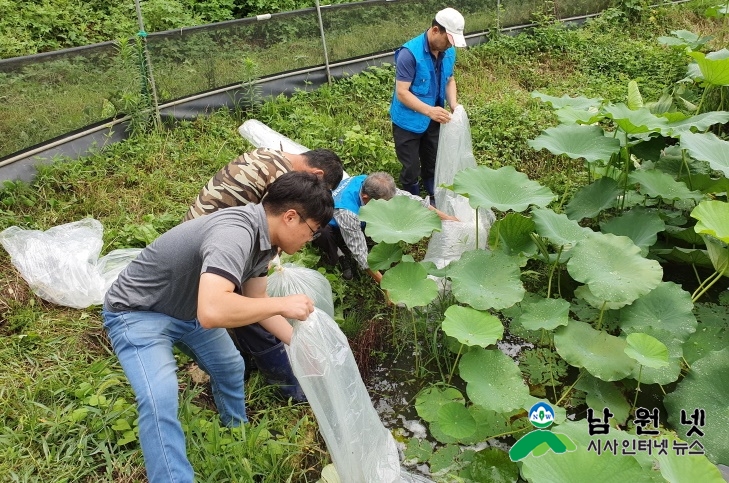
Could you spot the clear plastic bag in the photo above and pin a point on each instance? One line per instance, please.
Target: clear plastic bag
(362, 449)
(62, 265)
(262, 136)
(288, 279)
(455, 153)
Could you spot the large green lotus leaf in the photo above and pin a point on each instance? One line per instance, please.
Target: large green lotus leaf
(706, 339)
(559, 229)
(383, 255)
(700, 122)
(494, 380)
(567, 101)
(511, 234)
(635, 100)
(602, 394)
(490, 423)
(714, 66)
(583, 292)
(706, 184)
(635, 121)
(706, 386)
(600, 353)
(582, 465)
(492, 465)
(691, 256)
(646, 350)
(590, 200)
(640, 225)
(612, 268)
(544, 314)
(456, 421)
(708, 147)
(713, 219)
(667, 307)
(408, 283)
(570, 115)
(588, 142)
(686, 468)
(471, 326)
(658, 375)
(718, 253)
(486, 280)
(656, 184)
(688, 235)
(504, 189)
(398, 219)
(429, 401)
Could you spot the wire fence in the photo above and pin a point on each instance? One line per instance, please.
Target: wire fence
(55, 94)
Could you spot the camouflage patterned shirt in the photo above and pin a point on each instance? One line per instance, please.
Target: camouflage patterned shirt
(240, 182)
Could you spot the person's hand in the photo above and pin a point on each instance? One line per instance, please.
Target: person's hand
(438, 114)
(297, 307)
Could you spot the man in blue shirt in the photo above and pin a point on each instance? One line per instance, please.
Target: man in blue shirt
(424, 82)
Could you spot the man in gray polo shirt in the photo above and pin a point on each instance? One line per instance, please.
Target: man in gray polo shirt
(187, 287)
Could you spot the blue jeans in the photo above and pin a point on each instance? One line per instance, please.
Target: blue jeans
(143, 342)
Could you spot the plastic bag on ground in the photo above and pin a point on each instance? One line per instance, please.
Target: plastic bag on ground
(362, 449)
(289, 278)
(62, 265)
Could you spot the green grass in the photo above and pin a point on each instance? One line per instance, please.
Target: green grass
(65, 407)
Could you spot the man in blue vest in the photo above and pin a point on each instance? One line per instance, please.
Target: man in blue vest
(423, 83)
(344, 232)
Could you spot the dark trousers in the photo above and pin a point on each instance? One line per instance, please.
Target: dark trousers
(252, 339)
(416, 152)
(328, 242)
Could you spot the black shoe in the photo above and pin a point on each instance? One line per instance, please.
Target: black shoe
(346, 266)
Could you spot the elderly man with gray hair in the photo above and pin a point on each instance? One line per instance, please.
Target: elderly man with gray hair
(344, 235)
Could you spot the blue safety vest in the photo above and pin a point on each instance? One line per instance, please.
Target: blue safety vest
(424, 85)
(346, 196)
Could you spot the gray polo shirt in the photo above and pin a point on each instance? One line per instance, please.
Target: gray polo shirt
(164, 278)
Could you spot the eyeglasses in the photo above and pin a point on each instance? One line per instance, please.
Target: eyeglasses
(314, 233)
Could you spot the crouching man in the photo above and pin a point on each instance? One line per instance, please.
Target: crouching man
(187, 288)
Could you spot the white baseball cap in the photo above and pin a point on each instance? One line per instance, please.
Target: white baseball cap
(453, 22)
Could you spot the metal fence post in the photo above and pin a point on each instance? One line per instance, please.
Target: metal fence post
(323, 41)
(148, 71)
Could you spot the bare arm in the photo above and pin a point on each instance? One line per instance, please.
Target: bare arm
(437, 114)
(451, 93)
(219, 306)
(276, 325)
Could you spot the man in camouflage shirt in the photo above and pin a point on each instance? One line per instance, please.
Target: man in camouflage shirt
(243, 181)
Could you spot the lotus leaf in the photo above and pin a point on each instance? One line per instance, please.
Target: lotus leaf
(559, 229)
(492, 465)
(486, 280)
(398, 219)
(718, 254)
(544, 314)
(612, 268)
(600, 353)
(708, 147)
(706, 387)
(444, 458)
(713, 219)
(667, 307)
(494, 380)
(682, 468)
(504, 189)
(570, 115)
(590, 200)
(700, 122)
(383, 255)
(635, 121)
(602, 394)
(583, 292)
(471, 326)
(567, 101)
(714, 66)
(656, 184)
(418, 449)
(511, 235)
(428, 401)
(456, 421)
(408, 283)
(641, 226)
(588, 142)
(646, 350)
